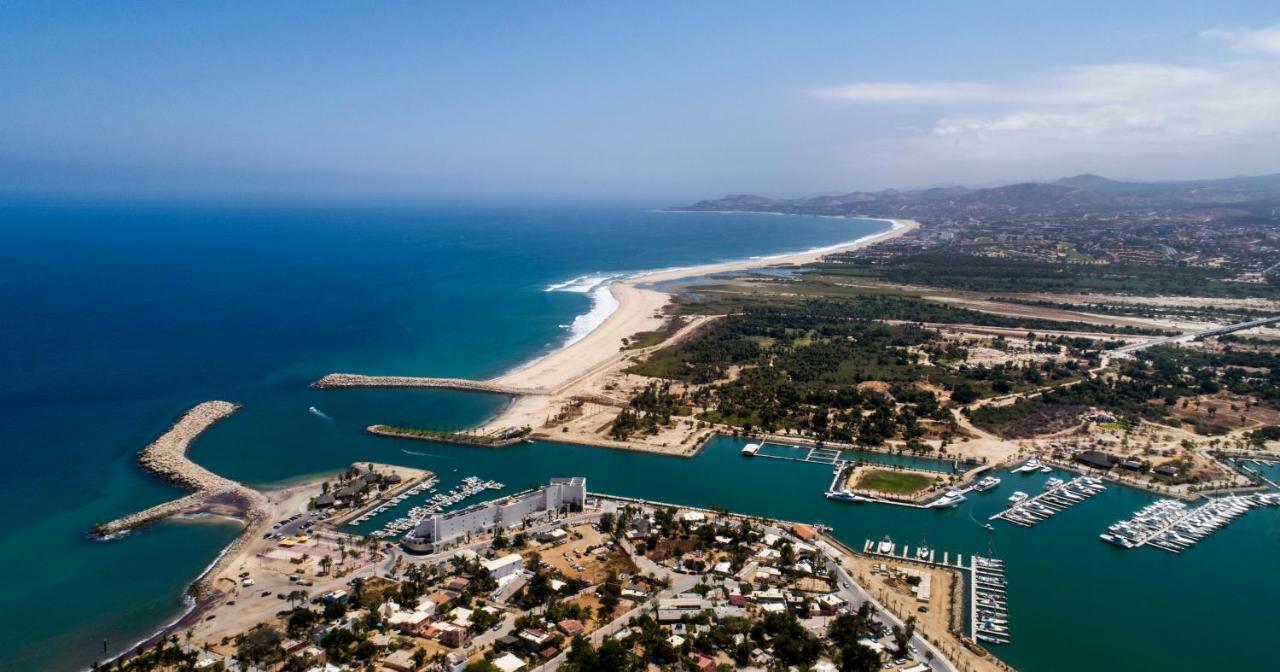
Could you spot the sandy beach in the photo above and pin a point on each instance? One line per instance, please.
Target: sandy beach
(593, 365)
(573, 394)
(639, 309)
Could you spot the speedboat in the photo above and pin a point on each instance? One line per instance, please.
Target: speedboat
(885, 546)
(1045, 469)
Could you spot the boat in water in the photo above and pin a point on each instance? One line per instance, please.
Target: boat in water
(846, 496)
(951, 498)
(1029, 466)
(986, 483)
(1018, 497)
(885, 546)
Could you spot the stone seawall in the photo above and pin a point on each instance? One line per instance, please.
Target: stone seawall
(341, 380)
(166, 457)
(480, 440)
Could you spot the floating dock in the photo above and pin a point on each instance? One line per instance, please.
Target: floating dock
(816, 454)
(988, 600)
(1049, 503)
(886, 548)
(1172, 526)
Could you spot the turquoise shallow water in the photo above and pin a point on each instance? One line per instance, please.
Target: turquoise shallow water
(114, 319)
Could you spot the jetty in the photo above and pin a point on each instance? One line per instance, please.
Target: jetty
(166, 457)
(1056, 498)
(886, 548)
(498, 439)
(988, 600)
(1172, 526)
(349, 380)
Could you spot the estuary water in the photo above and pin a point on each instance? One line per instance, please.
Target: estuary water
(115, 318)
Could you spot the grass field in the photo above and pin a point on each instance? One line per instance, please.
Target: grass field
(893, 482)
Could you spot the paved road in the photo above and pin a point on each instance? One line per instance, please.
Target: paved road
(1204, 333)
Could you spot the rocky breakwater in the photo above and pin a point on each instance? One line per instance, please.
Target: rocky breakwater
(166, 457)
(341, 380)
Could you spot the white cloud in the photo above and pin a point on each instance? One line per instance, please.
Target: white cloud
(1123, 112)
(873, 92)
(1248, 40)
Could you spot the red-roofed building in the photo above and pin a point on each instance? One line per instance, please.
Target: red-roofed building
(570, 627)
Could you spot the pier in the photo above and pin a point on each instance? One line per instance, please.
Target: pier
(1050, 502)
(886, 548)
(1171, 526)
(988, 600)
(346, 380)
(815, 454)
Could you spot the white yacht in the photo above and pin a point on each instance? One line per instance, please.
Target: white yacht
(1029, 466)
(986, 483)
(951, 498)
(846, 496)
(1018, 497)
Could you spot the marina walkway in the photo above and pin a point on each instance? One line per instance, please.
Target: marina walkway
(1049, 503)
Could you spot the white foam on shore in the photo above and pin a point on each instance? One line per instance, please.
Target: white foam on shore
(581, 284)
(603, 303)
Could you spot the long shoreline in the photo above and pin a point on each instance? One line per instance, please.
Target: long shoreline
(540, 388)
(636, 298)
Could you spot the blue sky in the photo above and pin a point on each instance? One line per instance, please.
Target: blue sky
(642, 100)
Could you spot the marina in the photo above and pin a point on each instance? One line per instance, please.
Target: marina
(988, 600)
(1058, 496)
(988, 591)
(1172, 526)
(470, 487)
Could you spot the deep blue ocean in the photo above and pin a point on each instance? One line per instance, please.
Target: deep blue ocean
(114, 319)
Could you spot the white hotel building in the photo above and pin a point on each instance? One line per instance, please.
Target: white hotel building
(443, 530)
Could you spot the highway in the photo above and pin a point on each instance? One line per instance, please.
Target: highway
(1126, 350)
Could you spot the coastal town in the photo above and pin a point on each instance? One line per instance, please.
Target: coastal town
(938, 395)
(562, 578)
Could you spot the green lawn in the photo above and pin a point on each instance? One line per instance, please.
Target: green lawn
(893, 482)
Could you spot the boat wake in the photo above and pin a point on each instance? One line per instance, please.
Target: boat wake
(414, 452)
(318, 413)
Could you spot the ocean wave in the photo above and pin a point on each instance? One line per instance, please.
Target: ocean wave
(582, 284)
(603, 304)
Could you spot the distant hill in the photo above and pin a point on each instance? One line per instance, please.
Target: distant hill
(1081, 192)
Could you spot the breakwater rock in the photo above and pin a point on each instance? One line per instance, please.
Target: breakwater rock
(340, 380)
(166, 457)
